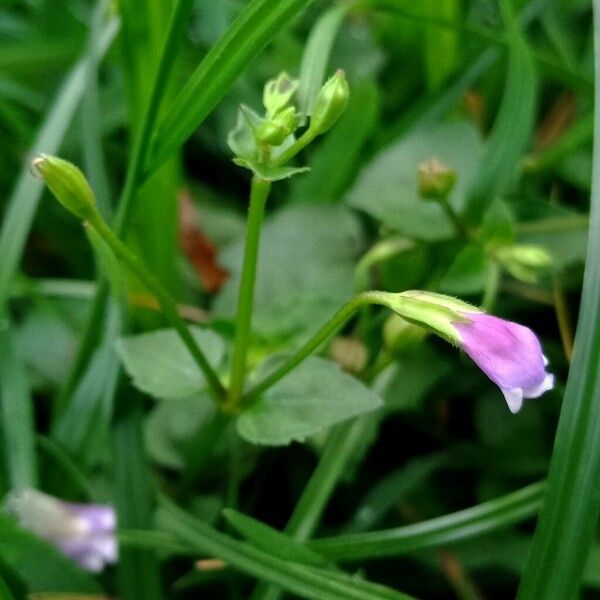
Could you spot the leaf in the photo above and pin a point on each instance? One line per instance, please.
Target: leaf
(198, 248)
(171, 427)
(306, 248)
(316, 56)
(466, 274)
(387, 188)
(273, 541)
(316, 395)
(161, 366)
(301, 580)
(513, 125)
(16, 417)
(268, 172)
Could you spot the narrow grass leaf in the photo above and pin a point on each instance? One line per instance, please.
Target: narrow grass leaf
(569, 515)
(18, 426)
(24, 200)
(316, 57)
(513, 125)
(483, 518)
(307, 582)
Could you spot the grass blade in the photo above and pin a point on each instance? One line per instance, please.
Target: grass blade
(304, 581)
(513, 126)
(256, 25)
(18, 426)
(316, 56)
(488, 516)
(569, 515)
(24, 199)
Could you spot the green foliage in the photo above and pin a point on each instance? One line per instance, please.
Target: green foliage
(249, 398)
(316, 395)
(161, 366)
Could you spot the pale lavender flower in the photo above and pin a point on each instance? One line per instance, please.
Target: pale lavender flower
(508, 353)
(84, 532)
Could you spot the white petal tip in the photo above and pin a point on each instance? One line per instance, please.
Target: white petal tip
(514, 399)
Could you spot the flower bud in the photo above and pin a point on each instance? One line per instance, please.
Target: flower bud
(67, 183)
(436, 180)
(278, 92)
(524, 262)
(400, 336)
(276, 130)
(349, 353)
(331, 103)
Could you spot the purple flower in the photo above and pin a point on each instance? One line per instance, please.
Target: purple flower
(84, 532)
(508, 353)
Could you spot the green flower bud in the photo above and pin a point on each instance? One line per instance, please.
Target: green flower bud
(331, 103)
(524, 262)
(277, 129)
(67, 183)
(400, 336)
(278, 93)
(436, 180)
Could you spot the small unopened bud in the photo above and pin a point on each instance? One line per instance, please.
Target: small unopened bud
(436, 180)
(67, 183)
(277, 129)
(349, 353)
(278, 92)
(400, 336)
(524, 262)
(331, 103)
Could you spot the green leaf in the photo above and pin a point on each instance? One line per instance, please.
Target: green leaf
(316, 395)
(172, 426)
(302, 247)
(301, 580)
(513, 125)
(268, 172)
(466, 274)
(569, 515)
(41, 566)
(258, 23)
(316, 56)
(270, 540)
(17, 420)
(387, 189)
(488, 516)
(160, 364)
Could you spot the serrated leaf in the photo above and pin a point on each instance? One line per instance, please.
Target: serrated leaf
(160, 364)
(316, 395)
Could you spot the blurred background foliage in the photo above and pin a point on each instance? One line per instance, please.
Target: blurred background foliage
(507, 105)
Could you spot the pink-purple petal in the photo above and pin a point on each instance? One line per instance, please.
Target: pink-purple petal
(508, 353)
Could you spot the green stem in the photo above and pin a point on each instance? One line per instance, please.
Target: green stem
(167, 303)
(458, 223)
(132, 180)
(304, 140)
(340, 317)
(258, 198)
